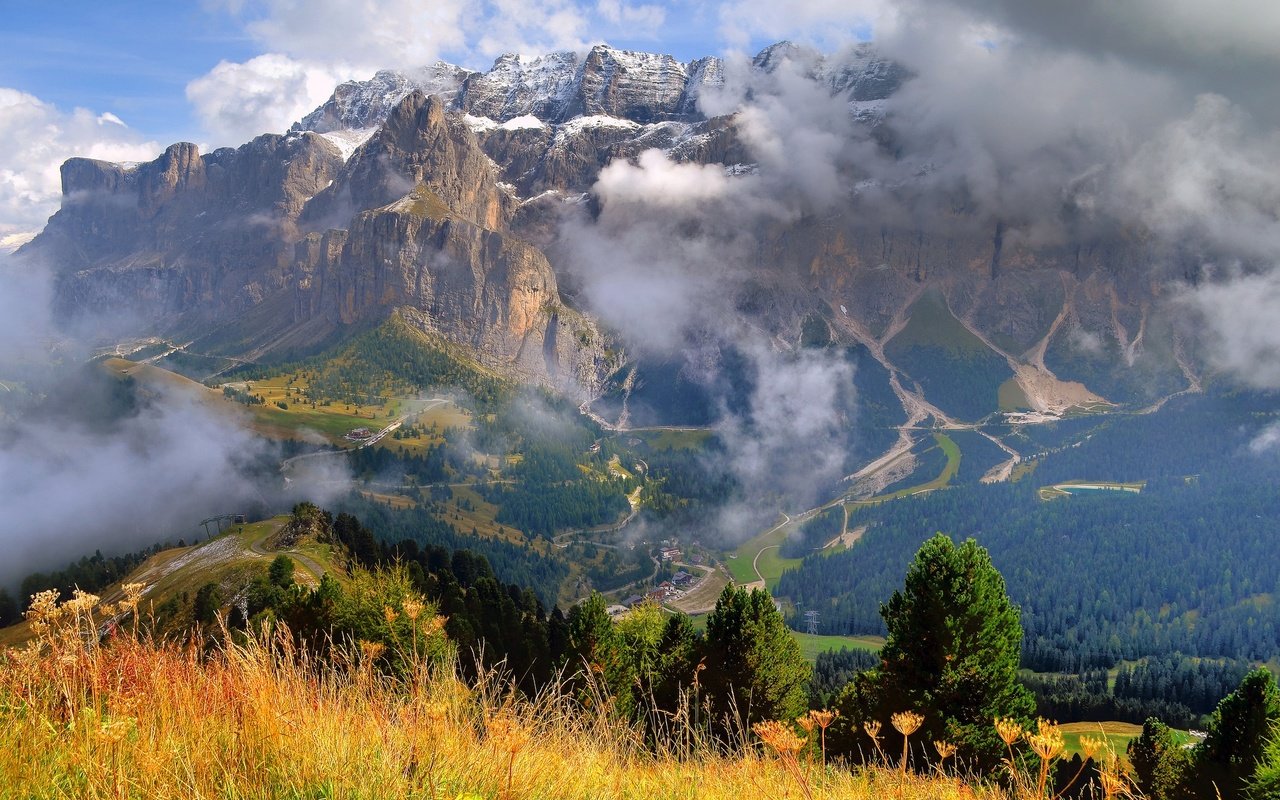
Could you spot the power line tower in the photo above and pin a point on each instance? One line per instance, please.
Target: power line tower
(811, 620)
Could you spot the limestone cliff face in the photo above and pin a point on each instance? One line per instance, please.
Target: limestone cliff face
(281, 240)
(389, 197)
(184, 238)
(451, 277)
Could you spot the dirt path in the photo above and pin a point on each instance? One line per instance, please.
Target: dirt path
(755, 562)
(257, 547)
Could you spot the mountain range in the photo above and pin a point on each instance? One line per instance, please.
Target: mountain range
(452, 196)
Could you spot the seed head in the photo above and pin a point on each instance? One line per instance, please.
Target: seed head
(506, 732)
(372, 651)
(390, 614)
(872, 727)
(1047, 741)
(824, 718)
(907, 722)
(805, 722)
(945, 749)
(1009, 729)
(44, 610)
(133, 593)
(82, 602)
(779, 736)
(412, 608)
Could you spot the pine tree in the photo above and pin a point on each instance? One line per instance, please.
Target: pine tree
(1265, 783)
(1160, 763)
(952, 653)
(1235, 744)
(755, 670)
(590, 634)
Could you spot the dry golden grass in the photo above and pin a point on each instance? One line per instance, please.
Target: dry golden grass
(139, 719)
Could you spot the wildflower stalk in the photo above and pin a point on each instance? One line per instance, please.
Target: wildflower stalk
(785, 742)
(906, 723)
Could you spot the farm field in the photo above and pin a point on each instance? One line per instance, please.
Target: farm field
(1117, 734)
(770, 563)
(673, 438)
(813, 644)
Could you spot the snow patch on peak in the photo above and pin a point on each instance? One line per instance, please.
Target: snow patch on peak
(348, 141)
(364, 104)
(579, 124)
(478, 124)
(485, 124)
(519, 86)
(524, 122)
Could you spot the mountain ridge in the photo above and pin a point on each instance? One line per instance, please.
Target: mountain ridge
(402, 192)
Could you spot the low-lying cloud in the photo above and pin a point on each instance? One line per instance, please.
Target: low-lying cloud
(88, 464)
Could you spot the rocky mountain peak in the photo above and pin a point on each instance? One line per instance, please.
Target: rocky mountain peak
(518, 86)
(357, 105)
(641, 87)
(419, 143)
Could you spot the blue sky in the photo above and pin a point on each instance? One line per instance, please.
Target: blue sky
(133, 59)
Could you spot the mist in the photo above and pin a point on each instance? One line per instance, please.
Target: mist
(673, 257)
(89, 462)
(1056, 134)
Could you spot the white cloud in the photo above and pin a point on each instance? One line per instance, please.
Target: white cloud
(38, 137)
(642, 19)
(369, 34)
(1267, 439)
(266, 94)
(828, 23)
(1237, 320)
(656, 180)
(381, 34)
(1204, 174)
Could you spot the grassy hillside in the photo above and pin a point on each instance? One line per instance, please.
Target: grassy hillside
(393, 360)
(229, 561)
(135, 717)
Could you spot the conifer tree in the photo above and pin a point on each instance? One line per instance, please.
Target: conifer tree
(1160, 764)
(755, 670)
(590, 633)
(952, 653)
(1235, 744)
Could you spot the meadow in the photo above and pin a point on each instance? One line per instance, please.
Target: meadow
(132, 717)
